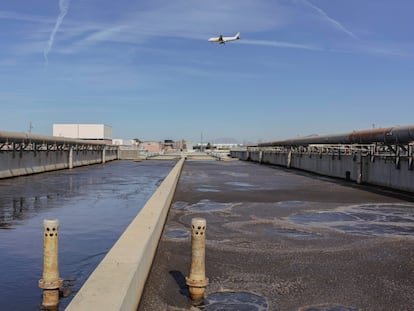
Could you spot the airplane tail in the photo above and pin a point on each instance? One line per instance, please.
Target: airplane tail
(238, 35)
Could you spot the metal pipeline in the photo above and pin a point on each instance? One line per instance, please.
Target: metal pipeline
(6, 137)
(391, 135)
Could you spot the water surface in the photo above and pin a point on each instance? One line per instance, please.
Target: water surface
(94, 205)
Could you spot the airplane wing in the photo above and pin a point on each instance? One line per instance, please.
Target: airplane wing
(217, 39)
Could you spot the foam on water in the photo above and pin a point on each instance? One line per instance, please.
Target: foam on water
(372, 219)
(235, 301)
(178, 234)
(334, 308)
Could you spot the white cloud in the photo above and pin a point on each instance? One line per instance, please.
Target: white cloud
(23, 17)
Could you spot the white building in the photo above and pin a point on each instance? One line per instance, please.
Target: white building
(83, 131)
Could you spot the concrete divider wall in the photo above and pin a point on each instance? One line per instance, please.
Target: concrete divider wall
(240, 154)
(274, 158)
(88, 157)
(118, 281)
(130, 154)
(18, 163)
(345, 166)
(255, 156)
(112, 155)
(391, 172)
(384, 171)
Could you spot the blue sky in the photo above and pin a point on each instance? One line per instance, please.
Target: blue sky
(145, 67)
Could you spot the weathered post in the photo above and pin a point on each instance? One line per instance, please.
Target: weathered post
(197, 280)
(51, 282)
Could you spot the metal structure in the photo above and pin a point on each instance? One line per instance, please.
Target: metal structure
(395, 141)
(15, 141)
(388, 136)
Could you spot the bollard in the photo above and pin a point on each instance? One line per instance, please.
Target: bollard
(50, 283)
(197, 280)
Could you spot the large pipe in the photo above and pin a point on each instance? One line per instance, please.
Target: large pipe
(390, 135)
(32, 138)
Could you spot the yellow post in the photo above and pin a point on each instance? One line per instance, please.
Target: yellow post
(197, 280)
(50, 283)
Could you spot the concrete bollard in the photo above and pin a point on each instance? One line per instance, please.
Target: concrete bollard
(51, 282)
(197, 280)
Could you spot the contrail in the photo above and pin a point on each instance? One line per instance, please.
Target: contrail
(280, 44)
(63, 8)
(331, 20)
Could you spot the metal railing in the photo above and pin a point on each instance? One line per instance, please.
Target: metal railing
(15, 141)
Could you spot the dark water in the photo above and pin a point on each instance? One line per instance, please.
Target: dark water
(94, 205)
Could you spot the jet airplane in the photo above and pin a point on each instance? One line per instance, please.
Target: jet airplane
(221, 40)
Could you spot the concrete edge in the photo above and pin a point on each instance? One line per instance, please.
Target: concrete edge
(118, 281)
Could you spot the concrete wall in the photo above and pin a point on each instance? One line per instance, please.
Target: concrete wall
(18, 163)
(387, 172)
(131, 154)
(391, 172)
(344, 166)
(118, 281)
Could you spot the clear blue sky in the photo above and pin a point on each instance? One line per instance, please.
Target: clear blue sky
(145, 67)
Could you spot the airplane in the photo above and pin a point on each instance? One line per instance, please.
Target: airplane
(221, 40)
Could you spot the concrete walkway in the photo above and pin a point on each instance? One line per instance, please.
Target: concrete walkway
(284, 240)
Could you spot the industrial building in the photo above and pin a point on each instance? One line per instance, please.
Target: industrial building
(100, 132)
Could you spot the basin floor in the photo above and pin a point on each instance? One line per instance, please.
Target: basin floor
(298, 241)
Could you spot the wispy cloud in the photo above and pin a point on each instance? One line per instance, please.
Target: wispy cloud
(280, 44)
(22, 17)
(63, 10)
(179, 20)
(334, 22)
